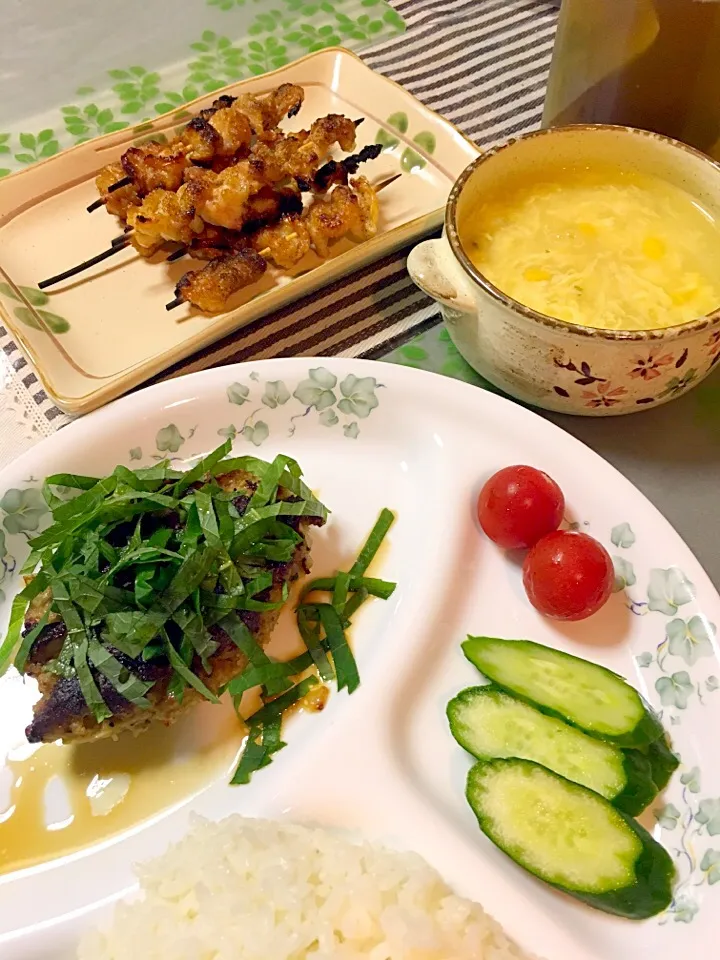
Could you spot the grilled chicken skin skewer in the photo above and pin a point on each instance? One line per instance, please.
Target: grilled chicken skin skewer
(212, 286)
(164, 216)
(347, 210)
(221, 132)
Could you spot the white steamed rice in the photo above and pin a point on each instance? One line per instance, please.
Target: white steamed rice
(259, 890)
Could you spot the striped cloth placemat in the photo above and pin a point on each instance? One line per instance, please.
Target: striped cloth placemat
(481, 63)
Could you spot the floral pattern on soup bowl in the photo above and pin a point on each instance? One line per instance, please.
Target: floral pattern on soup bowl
(552, 363)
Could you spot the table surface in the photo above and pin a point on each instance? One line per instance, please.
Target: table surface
(488, 74)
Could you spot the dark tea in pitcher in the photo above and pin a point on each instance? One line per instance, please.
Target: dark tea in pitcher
(653, 64)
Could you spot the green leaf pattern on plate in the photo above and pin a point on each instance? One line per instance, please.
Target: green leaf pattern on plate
(274, 33)
(257, 434)
(328, 418)
(410, 160)
(690, 639)
(710, 865)
(668, 590)
(238, 393)
(622, 536)
(675, 690)
(276, 393)
(624, 574)
(691, 779)
(169, 439)
(42, 320)
(23, 510)
(677, 672)
(318, 394)
(667, 816)
(708, 815)
(359, 397)
(317, 390)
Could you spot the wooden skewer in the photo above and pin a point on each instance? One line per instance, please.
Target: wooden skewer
(124, 182)
(266, 251)
(58, 278)
(100, 202)
(123, 236)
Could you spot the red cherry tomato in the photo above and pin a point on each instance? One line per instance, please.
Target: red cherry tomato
(518, 505)
(568, 575)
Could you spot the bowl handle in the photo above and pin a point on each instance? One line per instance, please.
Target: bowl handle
(433, 268)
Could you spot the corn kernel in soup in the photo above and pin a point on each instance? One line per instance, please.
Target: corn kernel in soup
(598, 247)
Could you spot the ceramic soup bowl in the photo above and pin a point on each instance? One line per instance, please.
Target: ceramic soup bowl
(551, 363)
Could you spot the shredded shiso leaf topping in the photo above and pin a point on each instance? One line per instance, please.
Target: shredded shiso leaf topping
(142, 563)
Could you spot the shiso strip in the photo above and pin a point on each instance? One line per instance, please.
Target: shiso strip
(28, 640)
(88, 686)
(372, 544)
(323, 628)
(310, 632)
(264, 731)
(376, 588)
(124, 681)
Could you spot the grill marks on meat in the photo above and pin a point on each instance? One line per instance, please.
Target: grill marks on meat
(213, 285)
(62, 713)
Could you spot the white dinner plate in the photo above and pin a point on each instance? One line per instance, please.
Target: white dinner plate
(382, 763)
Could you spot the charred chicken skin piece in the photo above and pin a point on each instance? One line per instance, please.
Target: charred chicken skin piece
(216, 242)
(211, 287)
(285, 242)
(299, 155)
(352, 210)
(265, 113)
(161, 217)
(154, 165)
(117, 202)
(266, 207)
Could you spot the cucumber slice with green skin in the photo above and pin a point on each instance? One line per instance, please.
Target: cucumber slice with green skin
(590, 697)
(490, 724)
(571, 838)
(663, 762)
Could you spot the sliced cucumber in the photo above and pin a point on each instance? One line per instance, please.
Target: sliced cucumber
(585, 694)
(490, 724)
(571, 837)
(663, 762)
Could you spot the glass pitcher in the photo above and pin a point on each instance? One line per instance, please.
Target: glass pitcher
(653, 64)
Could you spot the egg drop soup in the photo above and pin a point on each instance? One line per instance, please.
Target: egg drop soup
(598, 247)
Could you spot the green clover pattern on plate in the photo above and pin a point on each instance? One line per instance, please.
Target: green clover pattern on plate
(343, 403)
(278, 32)
(277, 408)
(680, 672)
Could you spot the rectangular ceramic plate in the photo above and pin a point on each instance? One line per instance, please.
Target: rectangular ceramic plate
(105, 331)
